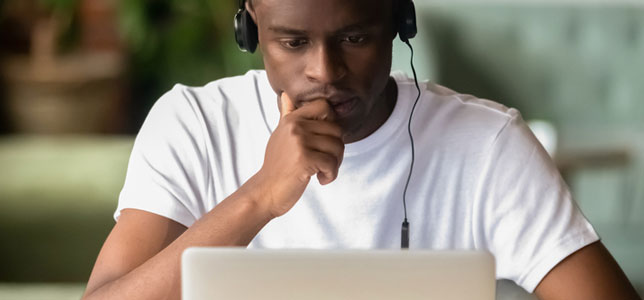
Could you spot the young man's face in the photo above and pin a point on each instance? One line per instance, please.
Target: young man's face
(334, 49)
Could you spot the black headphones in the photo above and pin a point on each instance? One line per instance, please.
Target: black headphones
(246, 29)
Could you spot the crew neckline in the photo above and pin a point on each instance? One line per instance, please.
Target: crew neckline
(392, 125)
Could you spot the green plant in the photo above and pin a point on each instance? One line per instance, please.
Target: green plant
(62, 14)
(63, 9)
(33, 18)
(180, 41)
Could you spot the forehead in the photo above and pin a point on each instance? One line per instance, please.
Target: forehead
(321, 14)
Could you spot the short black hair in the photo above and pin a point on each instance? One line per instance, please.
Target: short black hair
(395, 9)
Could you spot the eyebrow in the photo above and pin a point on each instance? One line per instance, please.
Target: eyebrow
(286, 30)
(349, 28)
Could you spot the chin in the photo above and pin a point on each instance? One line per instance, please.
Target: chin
(350, 126)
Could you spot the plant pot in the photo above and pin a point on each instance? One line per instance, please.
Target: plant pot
(78, 93)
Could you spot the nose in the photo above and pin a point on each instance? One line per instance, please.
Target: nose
(325, 65)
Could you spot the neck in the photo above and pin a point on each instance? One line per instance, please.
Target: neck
(380, 113)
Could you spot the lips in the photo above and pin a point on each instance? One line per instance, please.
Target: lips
(342, 104)
(343, 108)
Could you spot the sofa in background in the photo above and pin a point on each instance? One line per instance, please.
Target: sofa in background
(57, 196)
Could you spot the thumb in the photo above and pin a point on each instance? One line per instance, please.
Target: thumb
(286, 105)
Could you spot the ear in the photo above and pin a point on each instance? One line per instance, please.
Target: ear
(251, 11)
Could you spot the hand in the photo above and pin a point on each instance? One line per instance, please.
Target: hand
(306, 142)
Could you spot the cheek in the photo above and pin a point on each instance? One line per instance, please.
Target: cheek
(372, 69)
(280, 68)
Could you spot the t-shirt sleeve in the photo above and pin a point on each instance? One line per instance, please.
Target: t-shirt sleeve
(168, 168)
(529, 219)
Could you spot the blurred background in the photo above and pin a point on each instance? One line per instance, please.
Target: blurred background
(77, 78)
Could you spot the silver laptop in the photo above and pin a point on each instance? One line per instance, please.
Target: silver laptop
(240, 273)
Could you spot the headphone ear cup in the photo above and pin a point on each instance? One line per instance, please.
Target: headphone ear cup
(407, 23)
(252, 38)
(245, 32)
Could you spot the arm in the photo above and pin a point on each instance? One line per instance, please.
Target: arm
(141, 257)
(589, 273)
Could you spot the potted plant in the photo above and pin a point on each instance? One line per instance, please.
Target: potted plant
(64, 83)
(179, 41)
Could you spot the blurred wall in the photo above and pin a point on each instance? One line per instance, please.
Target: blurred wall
(577, 65)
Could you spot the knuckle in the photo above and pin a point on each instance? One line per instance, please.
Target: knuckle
(299, 123)
(287, 119)
(336, 129)
(299, 141)
(331, 161)
(286, 123)
(340, 150)
(292, 127)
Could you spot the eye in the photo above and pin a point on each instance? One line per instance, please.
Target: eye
(293, 43)
(355, 39)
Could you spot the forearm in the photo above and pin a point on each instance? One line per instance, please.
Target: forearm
(233, 222)
(305, 143)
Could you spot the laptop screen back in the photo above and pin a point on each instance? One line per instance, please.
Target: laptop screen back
(239, 273)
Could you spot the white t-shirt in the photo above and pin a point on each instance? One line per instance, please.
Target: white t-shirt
(480, 181)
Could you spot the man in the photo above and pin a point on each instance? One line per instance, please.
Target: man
(226, 164)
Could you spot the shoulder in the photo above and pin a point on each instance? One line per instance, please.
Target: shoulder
(251, 86)
(244, 81)
(469, 102)
(222, 98)
(443, 107)
(224, 89)
(460, 119)
(468, 109)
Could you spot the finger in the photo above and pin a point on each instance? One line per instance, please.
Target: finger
(321, 127)
(329, 145)
(323, 179)
(317, 110)
(326, 165)
(286, 105)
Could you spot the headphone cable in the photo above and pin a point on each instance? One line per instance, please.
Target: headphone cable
(405, 224)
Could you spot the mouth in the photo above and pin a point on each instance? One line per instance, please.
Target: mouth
(343, 108)
(341, 103)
